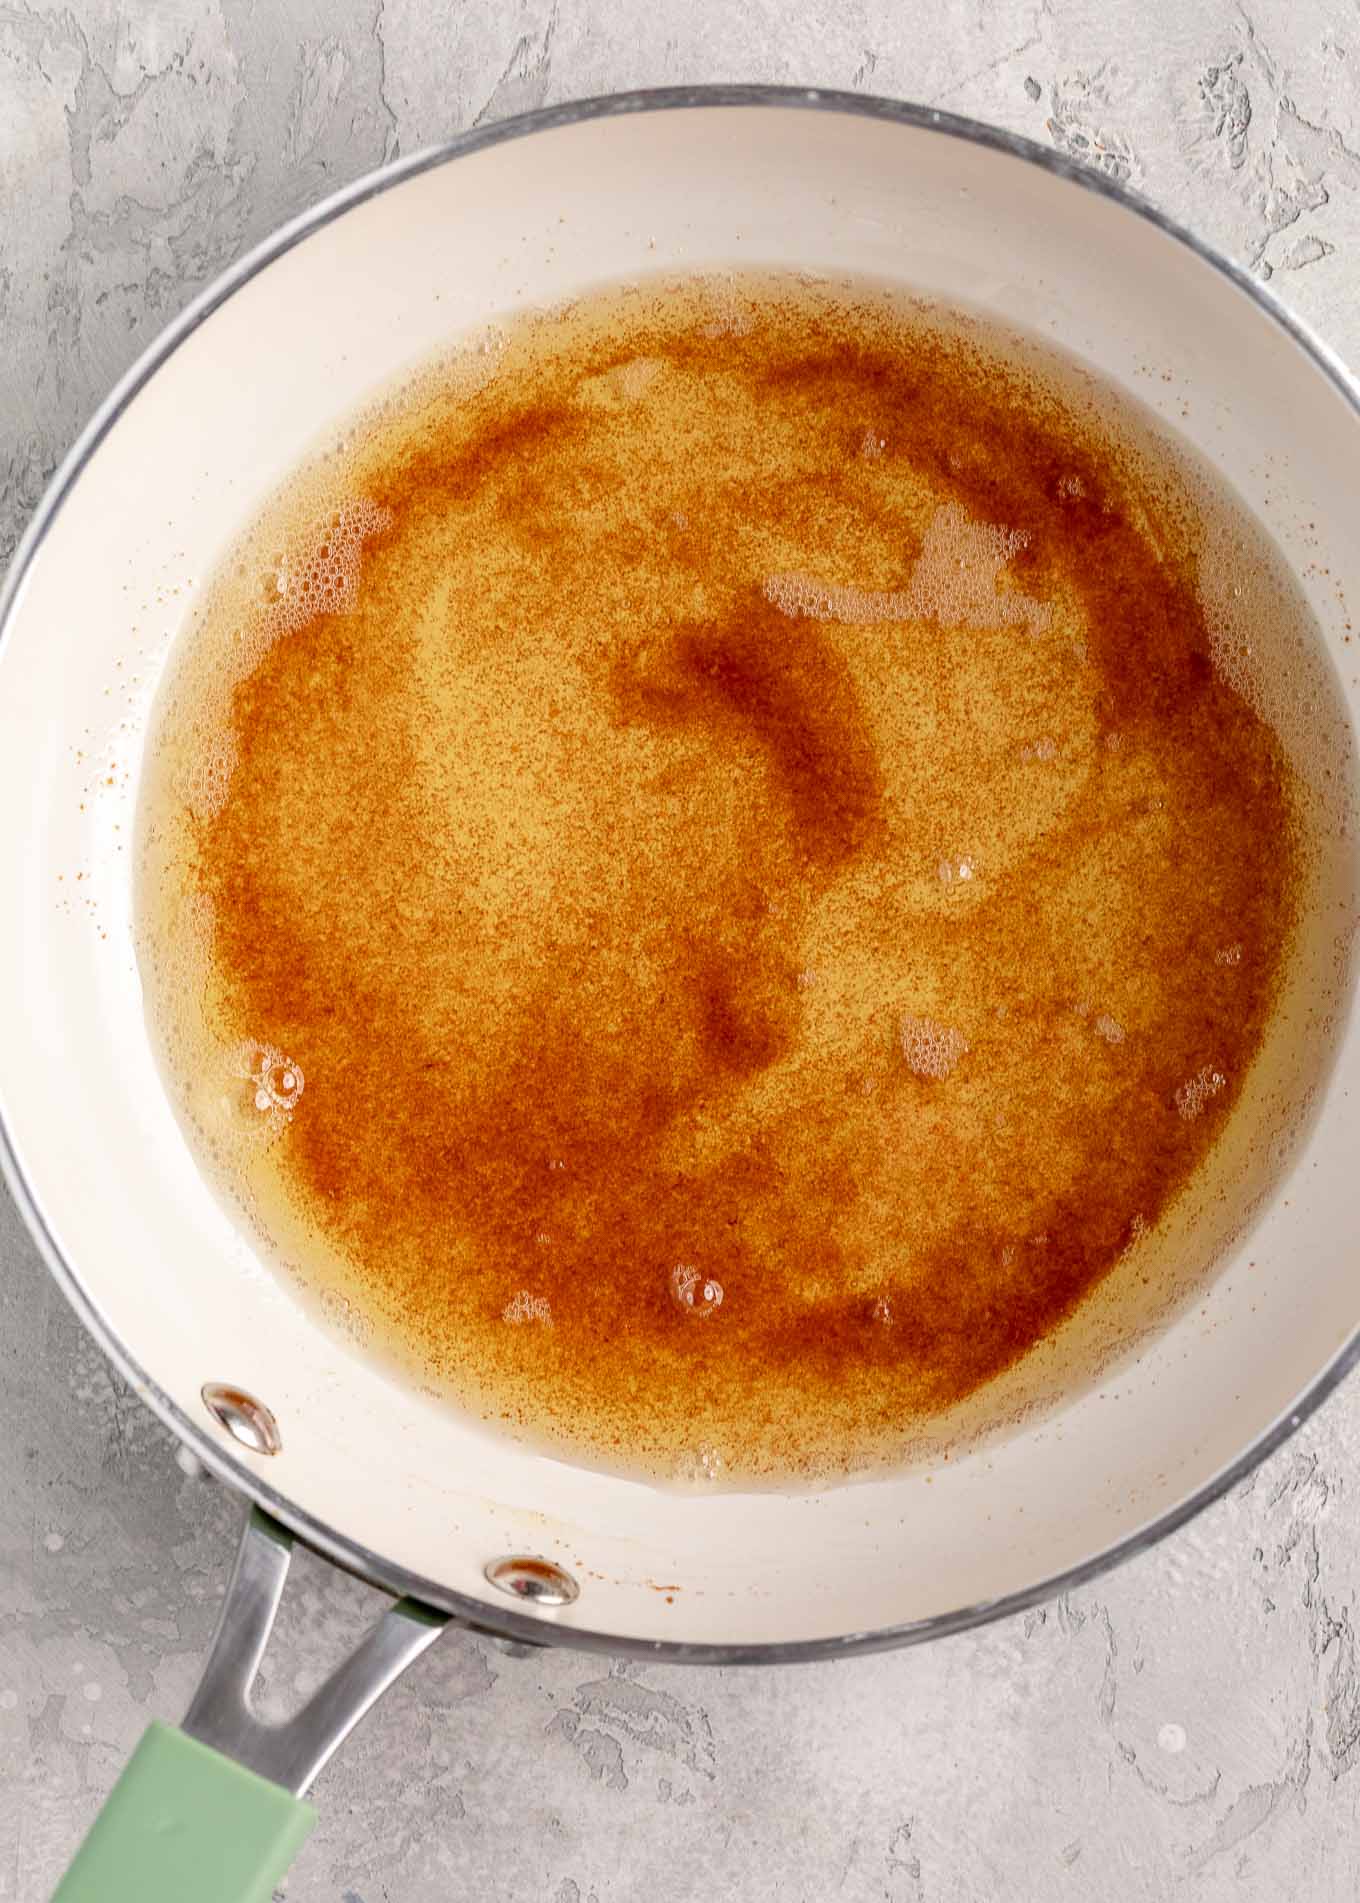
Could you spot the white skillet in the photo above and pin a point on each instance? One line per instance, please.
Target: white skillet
(198, 433)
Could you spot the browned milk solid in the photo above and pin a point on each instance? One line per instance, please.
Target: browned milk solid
(713, 876)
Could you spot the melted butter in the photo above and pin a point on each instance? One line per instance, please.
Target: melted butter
(742, 865)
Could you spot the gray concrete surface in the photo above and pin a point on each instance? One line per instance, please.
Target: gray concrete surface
(1188, 1728)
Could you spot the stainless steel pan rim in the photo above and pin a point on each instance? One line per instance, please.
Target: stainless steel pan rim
(346, 1553)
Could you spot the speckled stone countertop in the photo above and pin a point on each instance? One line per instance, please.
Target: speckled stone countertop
(1188, 1727)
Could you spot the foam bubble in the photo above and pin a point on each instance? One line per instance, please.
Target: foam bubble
(525, 1307)
(1109, 1028)
(931, 1049)
(954, 582)
(693, 1292)
(276, 1080)
(315, 573)
(801, 598)
(1228, 955)
(1192, 1095)
(1261, 646)
(624, 384)
(703, 1466)
(731, 314)
(343, 1316)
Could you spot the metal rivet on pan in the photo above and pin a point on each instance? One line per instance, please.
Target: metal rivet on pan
(245, 1419)
(537, 1580)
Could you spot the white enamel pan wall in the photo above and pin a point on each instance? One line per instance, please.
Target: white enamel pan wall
(226, 406)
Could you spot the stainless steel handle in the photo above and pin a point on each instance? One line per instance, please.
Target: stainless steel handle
(291, 1754)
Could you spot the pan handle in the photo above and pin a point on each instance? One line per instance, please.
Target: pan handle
(213, 1811)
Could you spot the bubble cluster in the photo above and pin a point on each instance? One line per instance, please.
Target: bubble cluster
(931, 1049)
(730, 313)
(956, 871)
(702, 1467)
(1228, 955)
(322, 575)
(620, 385)
(1042, 749)
(1262, 649)
(525, 1307)
(276, 1081)
(313, 571)
(954, 582)
(1192, 1095)
(693, 1292)
(1109, 1028)
(208, 775)
(344, 1317)
(800, 597)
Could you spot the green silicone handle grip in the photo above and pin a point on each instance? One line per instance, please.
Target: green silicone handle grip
(184, 1824)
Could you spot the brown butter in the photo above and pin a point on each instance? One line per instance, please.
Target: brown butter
(591, 890)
